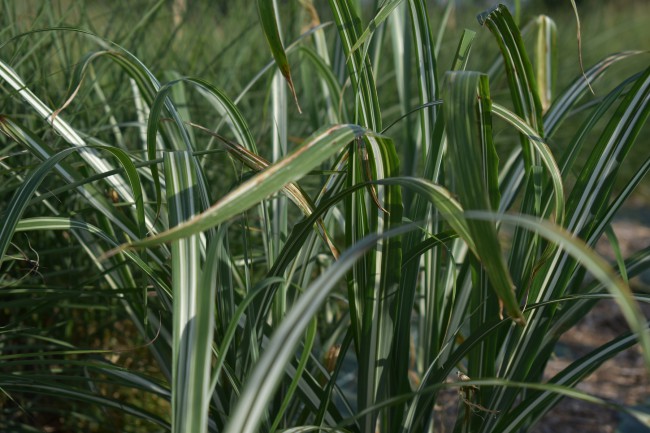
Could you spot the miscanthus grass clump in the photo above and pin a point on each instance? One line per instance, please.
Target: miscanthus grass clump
(327, 248)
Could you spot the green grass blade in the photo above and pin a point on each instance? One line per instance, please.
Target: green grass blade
(359, 67)
(227, 108)
(382, 14)
(563, 104)
(545, 155)
(379, 306)
(463, 51)
(467, 114)
(401, 44)
(181, 100)
(521, 78)
(289, 395)
(269, 22)
(193, 302)
(274, 213)
(279, 132)
(424, 48)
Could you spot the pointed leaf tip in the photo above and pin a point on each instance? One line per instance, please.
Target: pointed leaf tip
(269, 22)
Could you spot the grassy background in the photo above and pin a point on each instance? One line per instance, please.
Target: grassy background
(225, 45)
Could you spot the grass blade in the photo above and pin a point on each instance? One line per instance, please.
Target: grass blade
(269, 21)
(467, 114)
(193, 302)
(521, 79)
(546, 58)
(382, 14)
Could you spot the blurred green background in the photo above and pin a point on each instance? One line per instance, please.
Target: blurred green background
(222, 42)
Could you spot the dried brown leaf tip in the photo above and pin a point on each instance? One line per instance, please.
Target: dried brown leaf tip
(331, 357)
